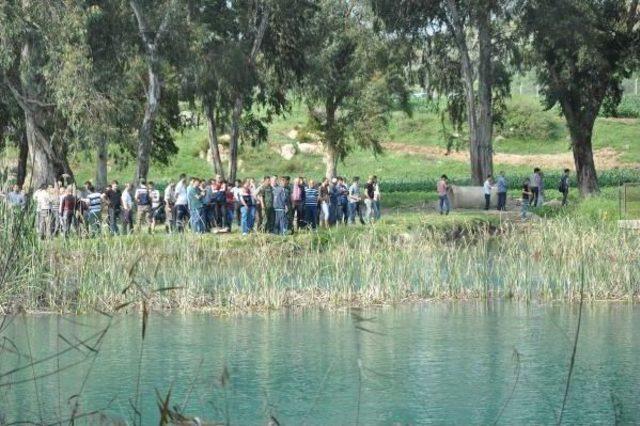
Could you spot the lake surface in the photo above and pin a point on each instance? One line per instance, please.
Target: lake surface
(444, 363)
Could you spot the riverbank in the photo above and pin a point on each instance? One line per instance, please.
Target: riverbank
(405, 257)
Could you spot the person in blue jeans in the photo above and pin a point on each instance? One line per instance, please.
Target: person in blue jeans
(247, 209)
(355, 201)
(443, 189)
(280, 207)
(342, 214)
(502, 191)
(311, 195)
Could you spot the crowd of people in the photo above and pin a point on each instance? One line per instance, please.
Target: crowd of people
(275, 205)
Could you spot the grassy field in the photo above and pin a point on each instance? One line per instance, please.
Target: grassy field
(417, 150)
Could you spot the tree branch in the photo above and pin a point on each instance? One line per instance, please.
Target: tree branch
(262, 28)
(633, 15)
(162, 29)
(143, 27)
(24, 101)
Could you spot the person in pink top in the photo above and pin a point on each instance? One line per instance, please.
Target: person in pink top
(443, 194)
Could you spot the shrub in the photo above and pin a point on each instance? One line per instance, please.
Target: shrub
(629, 107)
(526, 120)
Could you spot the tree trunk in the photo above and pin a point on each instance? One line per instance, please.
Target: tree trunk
(585, 166)
(212, 126)
(468, 78)
(41, 156)
(23, 155)
(145, 134)
(331, 160)
(482, 162)
(239, 103)
(101, 166)
(580, 126)
(42, 168)
(330, 151)
(235, 135)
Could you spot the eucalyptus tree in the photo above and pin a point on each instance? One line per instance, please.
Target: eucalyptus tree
(12, 131)
(43, 61)
(354, 80)
(582, 50)
(246, 54)
(155, 21)
(468, 50)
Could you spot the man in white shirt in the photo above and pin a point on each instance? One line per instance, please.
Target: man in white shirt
(43, 205)
(127, 209)
(486, 188)
(182, 202)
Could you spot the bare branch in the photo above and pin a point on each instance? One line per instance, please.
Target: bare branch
(262, 28)
(143, 27)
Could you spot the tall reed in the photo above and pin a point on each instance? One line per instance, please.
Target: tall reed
(387, 263)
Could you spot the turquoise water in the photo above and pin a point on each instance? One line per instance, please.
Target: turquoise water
(444, 363)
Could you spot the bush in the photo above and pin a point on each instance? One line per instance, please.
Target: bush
(526, 120)
(629, 107)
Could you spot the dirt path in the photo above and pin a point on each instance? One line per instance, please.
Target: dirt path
(605, 158)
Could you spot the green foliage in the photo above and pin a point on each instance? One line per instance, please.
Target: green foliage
(354, 80)
(526, 121)
(629, 107)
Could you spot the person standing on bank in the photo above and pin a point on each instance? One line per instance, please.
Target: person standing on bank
(169, 206)
(248, 208)
(527, 196)
(113, 198)
(564, 186)
(194, 197)
(94, 203)
(280, 207)
(311, 196)
(486, 188)
(43, 205)
(126, 202)
(143, 203)
(68, 205)
(265, 199)
(533, 183)
(355, 202)
(443, 189)
(157, 209)
(182, 203)
(377, 212)
(369, 191)
(502, 192)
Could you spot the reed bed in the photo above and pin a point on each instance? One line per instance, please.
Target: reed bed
(387, 263)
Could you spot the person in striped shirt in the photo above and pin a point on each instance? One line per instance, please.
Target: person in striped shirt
(311, 195)
(94, 209)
